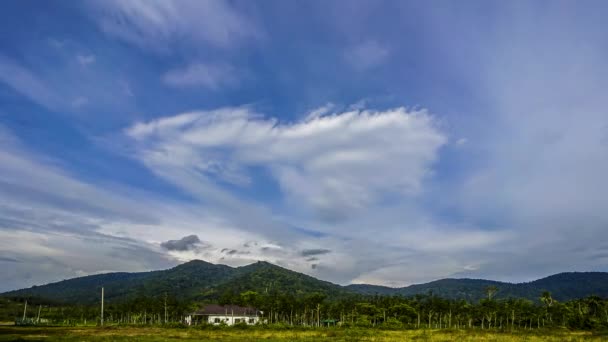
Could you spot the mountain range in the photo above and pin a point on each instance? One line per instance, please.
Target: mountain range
(199, 280)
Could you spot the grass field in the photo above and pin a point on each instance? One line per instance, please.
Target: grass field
(12, 333)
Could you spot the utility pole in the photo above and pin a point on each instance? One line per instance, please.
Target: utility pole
(24, 310)
(102, 306)
(165, 307)
(38, 318)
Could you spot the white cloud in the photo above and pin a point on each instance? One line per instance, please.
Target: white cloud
(333, 164)
(158, 25)
(319, 112)
(211, 76)
(366, 55)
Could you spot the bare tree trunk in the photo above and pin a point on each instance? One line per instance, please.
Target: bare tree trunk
(450, 319)
(318, 315)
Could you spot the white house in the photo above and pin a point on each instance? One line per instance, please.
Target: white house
(229, 314)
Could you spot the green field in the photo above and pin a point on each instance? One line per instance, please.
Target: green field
(12, 333)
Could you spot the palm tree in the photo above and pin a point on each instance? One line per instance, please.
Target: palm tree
(546, 298)
(491, 291)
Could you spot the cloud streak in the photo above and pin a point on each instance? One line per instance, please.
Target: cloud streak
(161, 25)
(210, 76)
(22, 80)
(317, 251)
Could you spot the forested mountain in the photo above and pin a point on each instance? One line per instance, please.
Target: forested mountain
(183, 281)
(563, 286)
(202, 281)
(264, 277)
(470, 289)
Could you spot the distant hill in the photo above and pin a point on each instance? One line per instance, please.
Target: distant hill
(200, 280)
(470, 289)
(563, 286)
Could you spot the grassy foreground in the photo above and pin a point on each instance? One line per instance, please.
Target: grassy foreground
(12, 333)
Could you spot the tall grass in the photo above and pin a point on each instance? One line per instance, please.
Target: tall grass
(132, 333)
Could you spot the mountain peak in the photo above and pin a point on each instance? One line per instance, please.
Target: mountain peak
(196, 262)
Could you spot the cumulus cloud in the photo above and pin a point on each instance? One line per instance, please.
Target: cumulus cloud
(333, 164)
(183, 244)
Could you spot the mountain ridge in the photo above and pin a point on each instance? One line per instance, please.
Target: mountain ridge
(199, 280)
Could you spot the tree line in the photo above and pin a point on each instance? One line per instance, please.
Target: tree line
(317, 309)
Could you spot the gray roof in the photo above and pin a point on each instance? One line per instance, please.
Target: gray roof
(214, 309)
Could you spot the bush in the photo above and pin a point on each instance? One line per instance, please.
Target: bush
(241, 326)
(392, 323)
(363, 322)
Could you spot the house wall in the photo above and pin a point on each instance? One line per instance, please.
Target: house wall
(218, 319)
(230, 320)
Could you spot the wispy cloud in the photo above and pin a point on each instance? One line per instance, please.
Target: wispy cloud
(63, 85)
(25, 82)
(366, 55)
(80, 102)
(85, 59)
(161, 25)
(211, 76)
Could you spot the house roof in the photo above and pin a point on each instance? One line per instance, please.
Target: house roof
(214, 309)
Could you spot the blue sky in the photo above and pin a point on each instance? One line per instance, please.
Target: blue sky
(381, 142)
